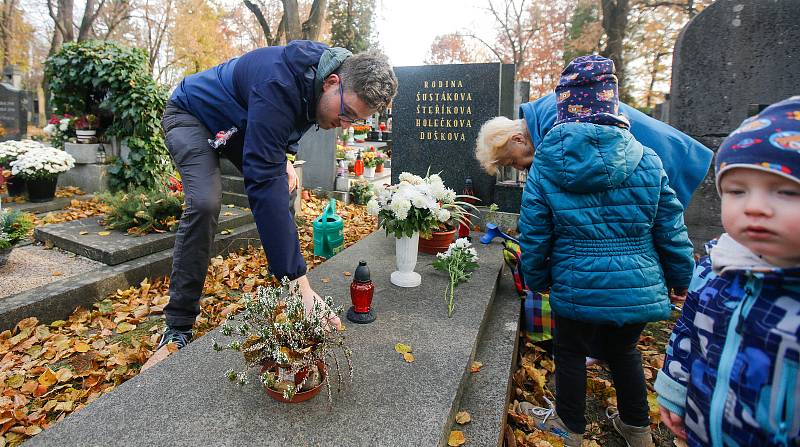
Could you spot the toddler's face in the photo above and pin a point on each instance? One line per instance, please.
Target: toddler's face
(761, 211)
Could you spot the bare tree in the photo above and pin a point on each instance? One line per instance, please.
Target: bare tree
(6, 31)
(289, 28)
(615, 23)
(61, 11)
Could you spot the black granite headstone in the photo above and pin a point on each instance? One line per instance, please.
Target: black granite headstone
(437, 114)
(13, 114)
(732, 59)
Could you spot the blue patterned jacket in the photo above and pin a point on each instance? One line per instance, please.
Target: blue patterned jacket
(732, 361)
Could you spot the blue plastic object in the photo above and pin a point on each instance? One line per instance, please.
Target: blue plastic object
(492, 232)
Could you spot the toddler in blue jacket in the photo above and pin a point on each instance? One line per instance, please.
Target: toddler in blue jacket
(601, 228)
(732, 372)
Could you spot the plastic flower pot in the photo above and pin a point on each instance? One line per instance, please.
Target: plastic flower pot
(42, 189)
(15, 186)
(299, 377)
(438, 242)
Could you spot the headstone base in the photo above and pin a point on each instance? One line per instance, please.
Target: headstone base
(82, 153)
(90, 178)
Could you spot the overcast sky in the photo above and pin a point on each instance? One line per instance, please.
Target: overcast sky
(406, 28)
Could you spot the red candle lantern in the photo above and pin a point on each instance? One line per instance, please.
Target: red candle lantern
(463, 227)
(358, 169)
(361, 291)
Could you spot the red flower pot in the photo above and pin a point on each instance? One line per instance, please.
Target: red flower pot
(300, 396)
(438, 242)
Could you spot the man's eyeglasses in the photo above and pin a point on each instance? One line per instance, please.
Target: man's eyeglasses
(343, 116)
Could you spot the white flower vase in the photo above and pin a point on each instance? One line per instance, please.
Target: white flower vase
(369, 172)
(406, 254)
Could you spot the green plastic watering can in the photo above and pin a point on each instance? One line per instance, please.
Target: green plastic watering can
(328, 232)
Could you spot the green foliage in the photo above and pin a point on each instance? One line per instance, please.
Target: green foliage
(351, 24)
(362, 191)
(14, 227)
(106, 78)
(140, 211)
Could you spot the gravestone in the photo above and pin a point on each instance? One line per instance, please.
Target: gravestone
(732, 59)
(318, 150)
(13, 113)
(437, 114)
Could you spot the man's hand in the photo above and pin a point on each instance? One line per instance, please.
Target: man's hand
(673, 422)
(310, 297)
(292, 174)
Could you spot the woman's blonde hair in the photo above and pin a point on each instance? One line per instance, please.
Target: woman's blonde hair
(492, 139)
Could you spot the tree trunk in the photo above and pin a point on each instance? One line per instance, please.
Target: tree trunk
(291, 17)
(261, 20)
(6, 31)
(615, 22)
(66, 13)
(313, 26)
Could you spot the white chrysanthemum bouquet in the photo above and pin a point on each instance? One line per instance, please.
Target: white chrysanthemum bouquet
(42, 162)
(12, 149)
(458, 261)
(416, 204)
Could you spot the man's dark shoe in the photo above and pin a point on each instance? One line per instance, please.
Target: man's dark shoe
(180, 338)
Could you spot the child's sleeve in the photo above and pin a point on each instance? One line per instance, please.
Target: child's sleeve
(535, 235)
(673, 379)
(672, 239)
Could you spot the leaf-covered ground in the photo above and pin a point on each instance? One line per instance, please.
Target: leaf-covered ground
(534, 380)
(49, 370)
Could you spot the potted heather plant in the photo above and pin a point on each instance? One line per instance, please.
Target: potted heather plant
(293, 347)
(40, 167)
(14, 227)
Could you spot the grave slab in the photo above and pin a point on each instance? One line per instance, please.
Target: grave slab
(389, 401)
(56, 204)
(57, 300)
(119, 247)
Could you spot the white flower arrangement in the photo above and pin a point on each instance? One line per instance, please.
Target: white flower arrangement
(458, 261)
(13, 149)
(42, 162)
(416, 204)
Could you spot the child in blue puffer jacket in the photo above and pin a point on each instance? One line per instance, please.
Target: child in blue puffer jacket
(731, 376)
(600, 226)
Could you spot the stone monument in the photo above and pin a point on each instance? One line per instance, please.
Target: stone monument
(13, 113)
(437, 114)
(734, 58)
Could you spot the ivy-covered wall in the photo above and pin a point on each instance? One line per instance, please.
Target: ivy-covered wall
(112, 80)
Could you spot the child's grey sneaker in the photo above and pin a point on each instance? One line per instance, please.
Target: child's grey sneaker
(548, 421)
(634, 436)
(180, 338)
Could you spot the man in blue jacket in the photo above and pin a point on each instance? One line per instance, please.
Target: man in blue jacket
(254, 109)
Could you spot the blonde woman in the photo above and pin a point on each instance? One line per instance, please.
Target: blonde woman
(506, 142)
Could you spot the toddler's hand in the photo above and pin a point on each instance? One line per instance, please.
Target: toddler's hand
(673, 422)
(678, 294)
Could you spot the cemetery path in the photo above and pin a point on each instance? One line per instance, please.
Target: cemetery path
(534, 379)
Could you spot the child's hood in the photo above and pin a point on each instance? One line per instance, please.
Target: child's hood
(728, 255)
(585, 158)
